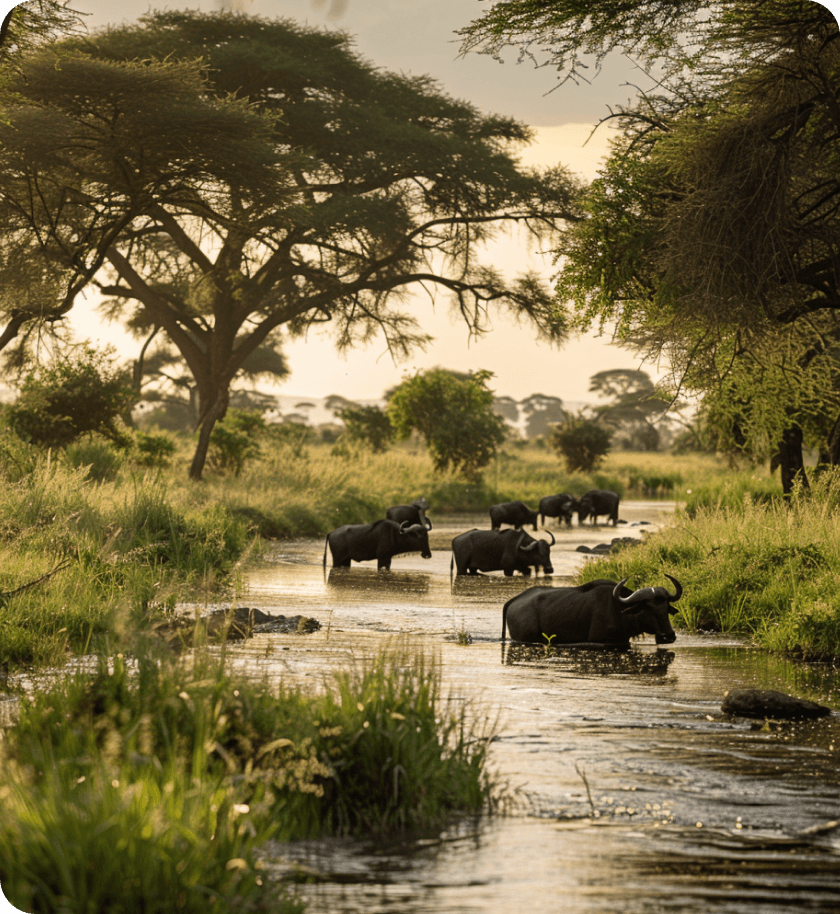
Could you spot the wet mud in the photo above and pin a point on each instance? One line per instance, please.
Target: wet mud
(632, 791)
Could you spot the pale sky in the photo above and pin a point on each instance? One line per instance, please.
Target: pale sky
(418, 37)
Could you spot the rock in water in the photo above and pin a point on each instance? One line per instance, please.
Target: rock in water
(768, 703)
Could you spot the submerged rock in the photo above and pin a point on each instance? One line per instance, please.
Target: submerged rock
(768, 703)
(233, 624)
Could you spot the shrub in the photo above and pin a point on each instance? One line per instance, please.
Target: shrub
(581, 442)
(234, 441)
(154, 450)
(71, 398)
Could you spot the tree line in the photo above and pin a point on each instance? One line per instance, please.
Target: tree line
(226, 181)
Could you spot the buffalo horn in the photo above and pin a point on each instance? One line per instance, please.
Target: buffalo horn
(648, 593)
(519, 545)
(412, 529)
(553, 541)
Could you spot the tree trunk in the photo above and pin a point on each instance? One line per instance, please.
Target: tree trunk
(214, 414)
(790, 461)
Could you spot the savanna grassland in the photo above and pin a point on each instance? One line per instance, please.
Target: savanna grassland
(156, 776)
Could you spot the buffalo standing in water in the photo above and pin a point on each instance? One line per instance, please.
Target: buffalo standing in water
(381, 540)
(560, 506)
(600, 613)
(500, 550)
(515, 513)
(597, 502)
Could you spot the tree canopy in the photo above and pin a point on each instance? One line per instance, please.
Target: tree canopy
(224, 177)
(713, 233)
(454, 413)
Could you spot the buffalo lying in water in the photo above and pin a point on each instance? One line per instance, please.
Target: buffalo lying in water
(598, 613)
(381, 540)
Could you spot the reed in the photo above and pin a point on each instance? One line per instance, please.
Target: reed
(158, 773)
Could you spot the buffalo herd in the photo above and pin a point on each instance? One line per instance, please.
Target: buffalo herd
(597, 614)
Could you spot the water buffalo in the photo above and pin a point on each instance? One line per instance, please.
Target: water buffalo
(381, 541)
(515, 513)
(598, 502)
(600, 612)
(415, 513)
(500, 550)
(560, 506)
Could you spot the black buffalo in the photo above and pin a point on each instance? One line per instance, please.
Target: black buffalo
(515, 513)
(415, 513)
(560, 506)
(381, 541)
(597, 502)
(500, 550)
(600, 612)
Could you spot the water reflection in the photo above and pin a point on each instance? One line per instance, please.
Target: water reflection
(373, 581)
(620, 661)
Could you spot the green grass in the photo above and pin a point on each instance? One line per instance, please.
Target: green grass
(761, 567)
(155, 786)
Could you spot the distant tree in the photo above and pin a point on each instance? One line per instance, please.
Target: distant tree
(369, 425)
(76, 396)
(543, 412)
(634, 403)
(453, 414)
(507, 408)
(229, 176)
(581, 441)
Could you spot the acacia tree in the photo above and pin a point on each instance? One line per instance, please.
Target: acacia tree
(633, 405)
(230, 176)
(714, 230)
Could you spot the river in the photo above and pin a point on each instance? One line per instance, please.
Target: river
(633, 792)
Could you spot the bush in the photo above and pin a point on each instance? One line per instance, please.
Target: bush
(581, 442)
(154, 450)
(101, 460)
(74, 397)
(234, 441)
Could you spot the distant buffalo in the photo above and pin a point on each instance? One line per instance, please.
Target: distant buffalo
(415, 513)
(515, 513)
(598, 502)
(381, 541)
(560, 506)
(600, 613)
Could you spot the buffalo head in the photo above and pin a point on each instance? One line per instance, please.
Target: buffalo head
(414, 537)
(650, 607)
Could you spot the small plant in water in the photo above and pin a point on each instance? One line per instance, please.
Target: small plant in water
(548, 640)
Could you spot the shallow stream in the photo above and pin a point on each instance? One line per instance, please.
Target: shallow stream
(634, 794)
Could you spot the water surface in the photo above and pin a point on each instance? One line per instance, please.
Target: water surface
(634, 793)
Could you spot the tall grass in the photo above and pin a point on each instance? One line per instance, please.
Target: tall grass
(769, 569)
(155, 786)
(83, 561)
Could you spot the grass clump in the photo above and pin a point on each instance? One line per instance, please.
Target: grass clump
(153, 786)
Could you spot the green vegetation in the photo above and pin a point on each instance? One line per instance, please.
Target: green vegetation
(159, 784)
(752, 564)
(454, 415)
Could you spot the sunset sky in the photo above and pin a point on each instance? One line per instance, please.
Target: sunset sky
(418, 37)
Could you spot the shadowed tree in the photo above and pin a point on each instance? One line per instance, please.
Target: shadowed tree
(230, 176)
(633, 405)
